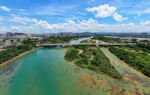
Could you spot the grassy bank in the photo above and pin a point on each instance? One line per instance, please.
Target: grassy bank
(138, 60)
(15, 58)
(91, 58)
(60, 39)
(15, 51)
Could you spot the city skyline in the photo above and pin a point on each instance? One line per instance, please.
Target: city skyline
(54, 16)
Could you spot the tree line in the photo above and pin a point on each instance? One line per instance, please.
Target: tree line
(16, 50)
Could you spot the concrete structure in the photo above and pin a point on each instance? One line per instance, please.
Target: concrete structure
(79, 44)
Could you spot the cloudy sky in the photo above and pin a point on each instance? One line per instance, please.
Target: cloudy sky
(52, 16)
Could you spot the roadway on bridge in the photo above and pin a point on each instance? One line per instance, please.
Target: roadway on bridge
(76, 44)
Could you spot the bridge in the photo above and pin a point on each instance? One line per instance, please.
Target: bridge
(79, 44)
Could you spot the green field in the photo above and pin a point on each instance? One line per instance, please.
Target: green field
(135, 57)
(91, 58)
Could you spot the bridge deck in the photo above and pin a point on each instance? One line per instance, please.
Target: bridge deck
(76, 44)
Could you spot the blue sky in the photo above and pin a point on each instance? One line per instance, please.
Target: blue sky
(40, 16)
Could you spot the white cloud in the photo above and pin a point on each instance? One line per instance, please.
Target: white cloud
(145, 23)
(106, 10)
(5, 8)
(21, 20)
(102, 10)
(31, 25)
(131, 24)
(118, 17)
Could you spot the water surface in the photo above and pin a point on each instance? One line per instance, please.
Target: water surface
(45, 72)
(79, 40)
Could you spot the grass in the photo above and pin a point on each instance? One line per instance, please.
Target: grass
(138, 60)
(93, 59)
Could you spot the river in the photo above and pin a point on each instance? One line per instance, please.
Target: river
(45, 72)
(79, 40)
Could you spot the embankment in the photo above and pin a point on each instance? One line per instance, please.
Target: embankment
(15, 58)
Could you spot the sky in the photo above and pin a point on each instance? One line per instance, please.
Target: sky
(54, 16)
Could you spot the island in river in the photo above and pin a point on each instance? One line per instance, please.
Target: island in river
(46, 72)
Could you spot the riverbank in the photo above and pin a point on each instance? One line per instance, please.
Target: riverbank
(48, 73)
(125, 70)
(4, 64)
(139, 60)
(91, 58)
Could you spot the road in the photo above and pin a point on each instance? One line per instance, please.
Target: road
(76, 44)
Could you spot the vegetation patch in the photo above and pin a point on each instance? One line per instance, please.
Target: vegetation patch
(140, 61)
(72, 54)
(92, 58)
(60, 39)
(139, 47)
(16, 50)
(107, 39)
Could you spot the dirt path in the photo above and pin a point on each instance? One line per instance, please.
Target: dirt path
(128, 73)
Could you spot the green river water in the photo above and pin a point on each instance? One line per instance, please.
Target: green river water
(42, 72)
(45, 72)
